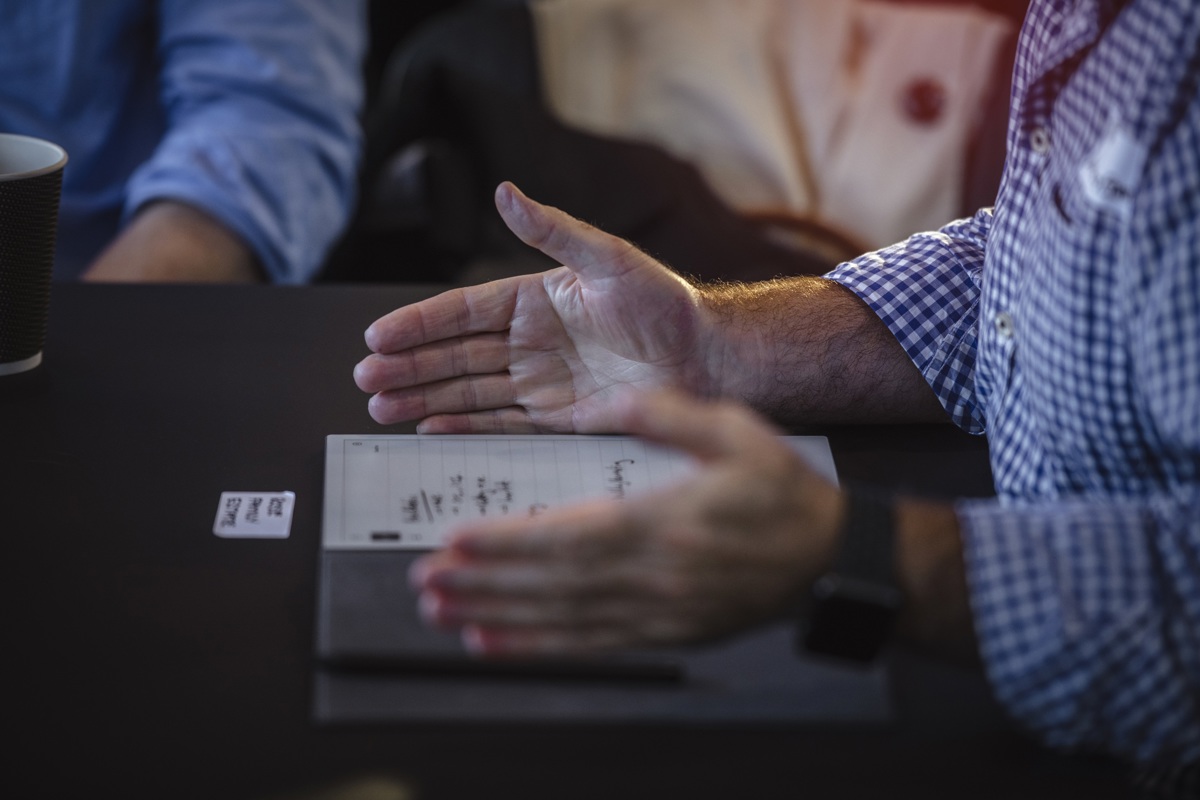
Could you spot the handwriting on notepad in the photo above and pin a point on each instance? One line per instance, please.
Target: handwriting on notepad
(616, 482)
(408, 491)
(411, 491)
(492, 496)
(428, 505)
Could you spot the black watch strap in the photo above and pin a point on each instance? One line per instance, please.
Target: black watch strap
(854, 606)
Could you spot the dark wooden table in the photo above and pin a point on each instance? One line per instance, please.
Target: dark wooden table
(148, 658)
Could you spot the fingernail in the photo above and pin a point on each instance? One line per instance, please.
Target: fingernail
(418, 575)
(427, 605)
(375, 409)
(473, 640)
(504, 197)
(360, 374)
(446, 578)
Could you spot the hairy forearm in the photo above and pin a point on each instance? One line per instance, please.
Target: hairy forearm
(806, 350)
(170, 241)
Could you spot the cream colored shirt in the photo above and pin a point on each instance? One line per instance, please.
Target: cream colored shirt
(856, 113)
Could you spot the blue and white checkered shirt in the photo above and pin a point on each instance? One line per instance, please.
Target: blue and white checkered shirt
(1065, 323)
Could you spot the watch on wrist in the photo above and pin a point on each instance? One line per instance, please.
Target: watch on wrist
(854, 606)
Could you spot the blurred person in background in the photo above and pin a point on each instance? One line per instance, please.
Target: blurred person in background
(736, 141)
(208, 141)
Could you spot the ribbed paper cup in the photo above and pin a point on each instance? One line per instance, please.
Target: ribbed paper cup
(30, 185)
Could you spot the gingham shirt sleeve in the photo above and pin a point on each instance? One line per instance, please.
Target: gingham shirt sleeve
(926, 290)
(1088, 612)
(1088, 619)
(1085, 576)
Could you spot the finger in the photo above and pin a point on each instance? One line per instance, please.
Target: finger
(455, 396)
(587, 531)
(705, 430)
(474, 355)
(447, 610)
(540, 642)
(574, 639)
(638, 611)
(586, 250)
(454, 610)
(461, 580)
(458, 312)
(446, 571)
(592, 419)
(513, 419)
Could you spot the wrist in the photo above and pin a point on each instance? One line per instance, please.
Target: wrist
(856, 599)
(777, 345)
(898, 565)
(171, 241)
(932, 574)
(733, 347)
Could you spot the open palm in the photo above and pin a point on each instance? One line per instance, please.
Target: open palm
(538, 352)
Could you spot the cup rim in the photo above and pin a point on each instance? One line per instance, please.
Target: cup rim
(57, 152)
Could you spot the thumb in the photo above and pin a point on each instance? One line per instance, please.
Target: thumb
(587, 251)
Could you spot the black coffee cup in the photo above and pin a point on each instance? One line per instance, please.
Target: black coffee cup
(30, 185)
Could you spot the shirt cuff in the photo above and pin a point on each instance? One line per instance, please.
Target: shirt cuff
(289, 218)
(1075, 612)
(926, 291)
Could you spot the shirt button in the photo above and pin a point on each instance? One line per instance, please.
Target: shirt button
(1004, 325)
(1039, 140)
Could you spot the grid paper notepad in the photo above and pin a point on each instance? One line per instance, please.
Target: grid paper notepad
(391, 497)
(405, 492)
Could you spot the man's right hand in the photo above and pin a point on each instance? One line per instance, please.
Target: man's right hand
(540, 352)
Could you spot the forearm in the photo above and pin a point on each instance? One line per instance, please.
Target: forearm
(173, 242)
(930, 568)
(806, 350)
(262, 130)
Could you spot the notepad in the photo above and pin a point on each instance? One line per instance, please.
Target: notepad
(389, 498)
(406, 492)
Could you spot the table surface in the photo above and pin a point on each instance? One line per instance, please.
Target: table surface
(150, 657)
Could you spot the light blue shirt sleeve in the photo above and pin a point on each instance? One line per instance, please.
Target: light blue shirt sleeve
(262, 131)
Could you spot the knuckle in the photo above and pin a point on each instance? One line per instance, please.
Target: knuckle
(547, 235)
(460, 358)
(469, 394)
(409, 369)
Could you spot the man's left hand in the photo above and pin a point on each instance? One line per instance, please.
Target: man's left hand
(737, 543)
